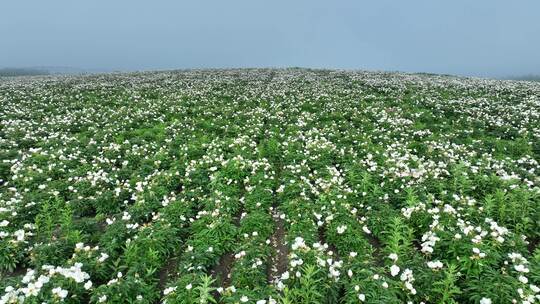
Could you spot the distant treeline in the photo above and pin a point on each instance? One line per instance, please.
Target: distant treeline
(10, 72)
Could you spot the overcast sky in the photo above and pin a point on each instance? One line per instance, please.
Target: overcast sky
(468, 37)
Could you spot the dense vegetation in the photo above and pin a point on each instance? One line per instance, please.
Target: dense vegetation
(528, 78)
(269, 186)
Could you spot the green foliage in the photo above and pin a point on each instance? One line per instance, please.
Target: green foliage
(269, 186)
(446, 289)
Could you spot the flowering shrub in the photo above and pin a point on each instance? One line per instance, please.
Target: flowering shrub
(269, 186)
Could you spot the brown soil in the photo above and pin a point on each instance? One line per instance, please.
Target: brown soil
(222, 271)
(533, 244)
(18, 271)
(167, 271)
(278, 261)
(322, 239)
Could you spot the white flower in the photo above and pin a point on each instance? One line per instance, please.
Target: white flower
(393, 257)
(43, 280)
(435, 264)
(298, 243)
(126, 216)
(240, 254)
(244, 299)
(366, 230)
(59, 292)
(407, 275)
(31, 290)
(102, 299)
(362, 297)
(341, 229)
(88, 285)
(168, 290)
(485, 301)
(521, 268)
(19, 234)
(189, 286)
(103, 257)
(79, 246)
(394, 270)
(261, 302)
(28, 276)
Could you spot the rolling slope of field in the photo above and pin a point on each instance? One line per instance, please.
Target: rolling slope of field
(269, 186)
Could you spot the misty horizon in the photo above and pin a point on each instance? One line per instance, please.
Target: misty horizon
(483, 38)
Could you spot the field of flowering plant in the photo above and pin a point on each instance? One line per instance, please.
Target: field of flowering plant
(269, 186)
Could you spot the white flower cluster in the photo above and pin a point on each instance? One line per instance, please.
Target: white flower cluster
(528, 293)
(340, 144)
(407, 278)
(299, 244)
(341, 229)
(435, 265)
(34, 283)
(428, 242)
(497, 232)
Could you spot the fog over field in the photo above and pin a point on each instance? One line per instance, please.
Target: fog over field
(481, 38)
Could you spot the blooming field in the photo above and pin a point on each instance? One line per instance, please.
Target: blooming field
(269, 186)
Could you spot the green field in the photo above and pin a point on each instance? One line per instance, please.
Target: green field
(269, 186)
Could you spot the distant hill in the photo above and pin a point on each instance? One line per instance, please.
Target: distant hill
(526, 77)
(12, 72)
(40, 70)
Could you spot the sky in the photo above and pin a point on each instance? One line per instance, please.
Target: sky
(490, 38)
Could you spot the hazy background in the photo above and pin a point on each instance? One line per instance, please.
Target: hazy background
(481, 38)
